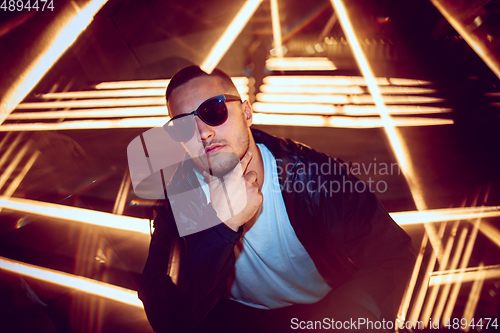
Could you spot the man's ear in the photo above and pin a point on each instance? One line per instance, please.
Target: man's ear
(169, 114)
(248, 112)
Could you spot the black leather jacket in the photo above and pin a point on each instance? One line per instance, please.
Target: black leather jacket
(358, 249)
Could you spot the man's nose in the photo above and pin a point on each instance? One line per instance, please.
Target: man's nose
(206, 131)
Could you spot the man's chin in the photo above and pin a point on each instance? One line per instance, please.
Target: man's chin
(221, 163)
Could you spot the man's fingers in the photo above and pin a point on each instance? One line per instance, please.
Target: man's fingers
(251, 177)
(245, 161)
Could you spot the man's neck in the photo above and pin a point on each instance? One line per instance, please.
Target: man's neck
(257, 163)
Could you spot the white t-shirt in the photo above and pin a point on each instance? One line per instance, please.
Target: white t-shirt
(273, 269)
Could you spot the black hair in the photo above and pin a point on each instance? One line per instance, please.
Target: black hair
(186, 74)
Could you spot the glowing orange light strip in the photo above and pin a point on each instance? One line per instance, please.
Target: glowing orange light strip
(302, 80)
(2, 143)
(9, 170)
(406, 90)
(445, 291)
(296, 98)
(63, 40)
(350, 110)
(307, 20)
(76, 214)
(88, 124)
(274, 119)
(12, 145)
(407, 82)
(400, 151)
(491, 232)
(142, 225)
(405, 302)
(93, 113)
(448, 214)
(474, 296)
(341, 122)
(133, 84)
(431, 298)
(228, 37)
(319, 80)
(149, 92)
(464, 263)
(238, 81)
(276, 28)
(472, 40)
(89, 103)
(14, 184)
(343, 99)
(311, 89)
(464, 275)
(79, 283)
(396, 99)
(347, 90)
(300, 64)
(420, 295)
(121, 198)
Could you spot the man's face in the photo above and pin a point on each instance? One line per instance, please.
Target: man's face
(218, 148)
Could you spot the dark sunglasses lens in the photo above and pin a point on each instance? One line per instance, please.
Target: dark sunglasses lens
(213, 112)
(181, 129)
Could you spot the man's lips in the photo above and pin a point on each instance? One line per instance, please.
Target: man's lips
(213, 148)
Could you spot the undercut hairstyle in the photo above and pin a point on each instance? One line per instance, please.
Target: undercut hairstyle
(186, 74)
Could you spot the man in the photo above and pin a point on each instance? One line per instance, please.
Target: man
(286, 255)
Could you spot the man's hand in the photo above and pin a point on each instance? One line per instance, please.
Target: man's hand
(236, 196)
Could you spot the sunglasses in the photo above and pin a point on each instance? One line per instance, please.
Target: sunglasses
(212, 112)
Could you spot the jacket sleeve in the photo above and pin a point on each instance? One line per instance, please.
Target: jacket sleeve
(185, 276)
(381, 253)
